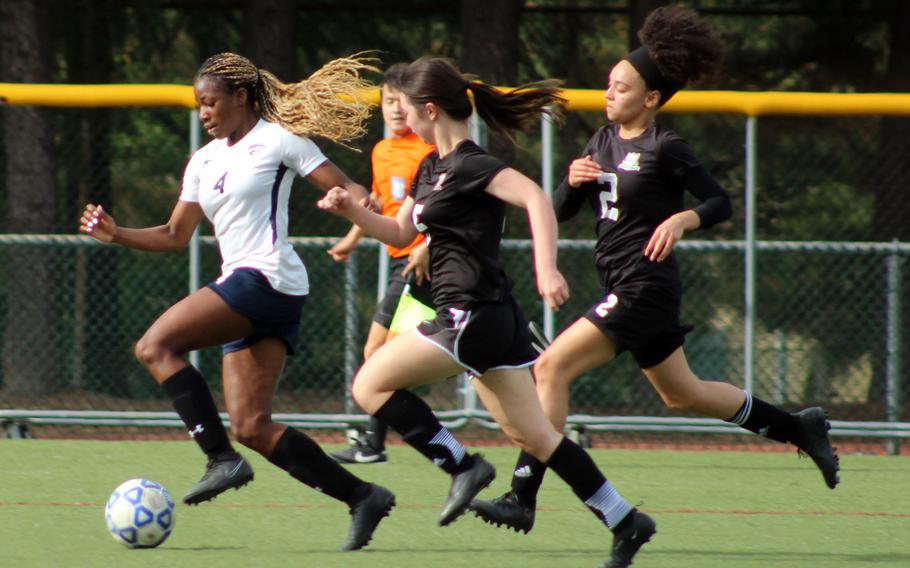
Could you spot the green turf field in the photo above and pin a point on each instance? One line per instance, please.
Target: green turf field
(713, 509)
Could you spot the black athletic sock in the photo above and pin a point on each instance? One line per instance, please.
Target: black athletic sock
(578, 470)
(193, 402)
(527, 477)
(297, 454)
(756, 415)
(375, 433)
(409, 415)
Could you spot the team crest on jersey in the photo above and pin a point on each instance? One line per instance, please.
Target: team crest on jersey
(440, 181)
(630, 162)
(255, 148)
(398, 188)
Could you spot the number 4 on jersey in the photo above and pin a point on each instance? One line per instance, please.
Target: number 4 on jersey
(219, 185)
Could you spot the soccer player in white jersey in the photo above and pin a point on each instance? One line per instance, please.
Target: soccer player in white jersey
(241, 182)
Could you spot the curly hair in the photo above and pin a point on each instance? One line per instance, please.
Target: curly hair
(330, 103)
(681, 43)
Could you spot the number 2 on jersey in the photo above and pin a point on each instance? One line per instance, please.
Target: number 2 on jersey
(608, 199)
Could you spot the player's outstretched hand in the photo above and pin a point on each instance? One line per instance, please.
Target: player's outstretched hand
(342, 250)
(335, 200)
(96, 223)
(668, 233)
(553, 288)
(583, 170)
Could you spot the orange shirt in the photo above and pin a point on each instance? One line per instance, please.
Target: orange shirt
(395, 162)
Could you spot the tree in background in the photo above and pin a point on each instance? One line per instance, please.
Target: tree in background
(269, 36)
(133, 159)
(29, 275)
(489, 49)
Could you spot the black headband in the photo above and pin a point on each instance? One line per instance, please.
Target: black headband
(647, 68)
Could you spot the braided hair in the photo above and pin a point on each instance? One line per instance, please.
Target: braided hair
(330, 103)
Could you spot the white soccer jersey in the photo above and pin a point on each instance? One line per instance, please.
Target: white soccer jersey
(244, 190)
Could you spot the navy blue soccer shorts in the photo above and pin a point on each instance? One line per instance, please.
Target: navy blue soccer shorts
(273, 314)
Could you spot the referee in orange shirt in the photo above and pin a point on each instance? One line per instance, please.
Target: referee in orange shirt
(394, 162)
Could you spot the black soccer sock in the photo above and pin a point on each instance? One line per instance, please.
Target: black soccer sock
(527, 478)
(756, 415)
(375, 433)
(409, 415)
(297, 454)
(579, 471)
(193, 402)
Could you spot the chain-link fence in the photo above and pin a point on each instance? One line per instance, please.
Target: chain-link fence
(826, 321)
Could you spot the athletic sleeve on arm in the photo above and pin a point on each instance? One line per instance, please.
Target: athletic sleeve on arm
(567, 200)
(191, 175)
(679, 159)
(300, 154)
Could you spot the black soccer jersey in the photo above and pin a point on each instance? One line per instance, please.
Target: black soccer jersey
(463, 225)
(643, 184)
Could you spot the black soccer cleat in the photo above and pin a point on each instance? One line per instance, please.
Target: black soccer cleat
(627, 542)
(818, 444)
(221, 473)
(360, 454)
(360, 451)
(465, 486)
(366, 515)
(507, 510)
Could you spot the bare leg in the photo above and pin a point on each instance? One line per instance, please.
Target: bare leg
(250, 377)
(375, 339)
(510, 397)
(682, 390)
(407, 360)
(578, 349)
(202, 319)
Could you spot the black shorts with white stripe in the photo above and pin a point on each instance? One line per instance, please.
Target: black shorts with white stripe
(482, 337)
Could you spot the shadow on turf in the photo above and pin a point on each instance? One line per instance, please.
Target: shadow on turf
(819, 558)
(219, 548)
(461, 552)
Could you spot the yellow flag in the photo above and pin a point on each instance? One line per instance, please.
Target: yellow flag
(409, 313)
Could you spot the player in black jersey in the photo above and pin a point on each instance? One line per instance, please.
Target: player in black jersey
(633, 174)
(458, 201)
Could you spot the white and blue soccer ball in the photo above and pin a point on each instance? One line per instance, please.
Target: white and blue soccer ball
(140, 514)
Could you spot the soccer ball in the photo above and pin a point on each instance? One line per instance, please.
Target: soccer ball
(140, 514)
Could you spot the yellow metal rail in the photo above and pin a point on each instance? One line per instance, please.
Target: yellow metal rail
(737, 102)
